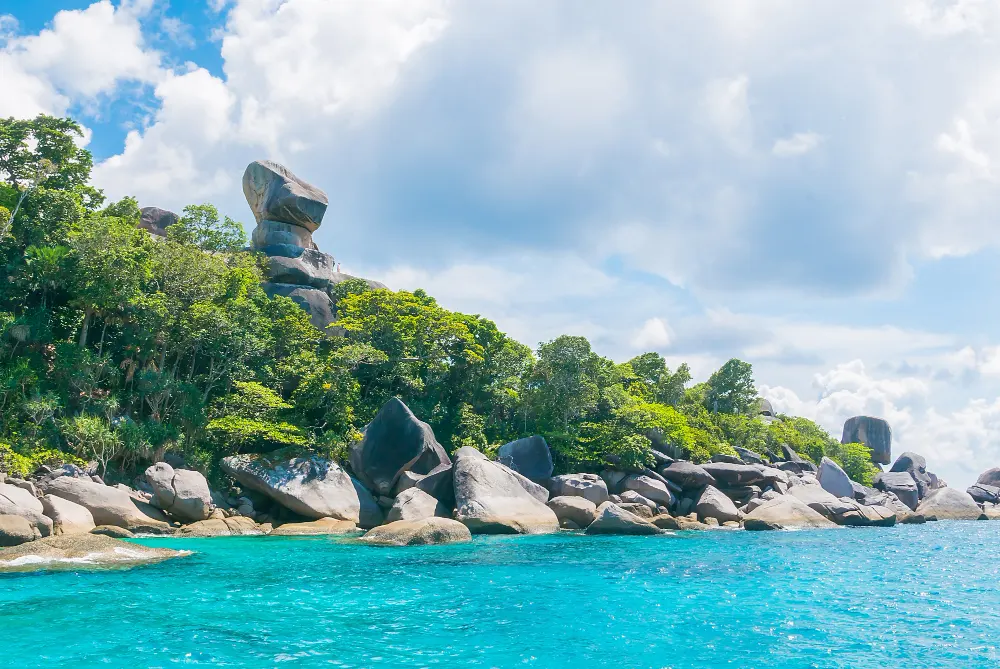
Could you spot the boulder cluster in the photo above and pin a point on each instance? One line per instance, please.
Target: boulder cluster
(403, 488)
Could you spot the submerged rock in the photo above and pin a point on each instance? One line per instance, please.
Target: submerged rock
(237, 526)
(529, 457)
(491, 499)
(310, 528)
(418, 533)
(612, 519)
(80, 551)
(395, 441)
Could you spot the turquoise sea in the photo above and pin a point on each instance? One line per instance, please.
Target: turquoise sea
(910, 596)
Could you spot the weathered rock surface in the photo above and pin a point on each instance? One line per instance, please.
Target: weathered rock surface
(182, 493)
(730, 475)
(631, 497)
(748, 456)
(113, 531)
(320, 527)
(313, 301)
(80, 551)
(395, 441)
(650, 488)
(157, 220)
(310, 486)
(834, 479)
(16, 530)
(687, 475)
(950, 504)
(439, 483)
(578, 510)
(431, 530)
(108, 506)
(67, 517)
(713, 504)
(415, 504)
(529, 457)
(984, 494)
(589, 486)
(901, 484)
(237, 526)
(785, 513)
(990, 477)
(612, 519)
(15, 501)
(873, 433)
(275, 194)
(916, 466)
(490, 499)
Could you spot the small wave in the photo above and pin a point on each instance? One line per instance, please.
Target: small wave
(118, 555)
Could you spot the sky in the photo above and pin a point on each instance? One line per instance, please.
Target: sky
(811, 187)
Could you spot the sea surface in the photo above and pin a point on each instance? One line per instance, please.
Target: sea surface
(909, 596)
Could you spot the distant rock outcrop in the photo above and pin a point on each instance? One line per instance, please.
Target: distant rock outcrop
(157, 220)
(288, 211)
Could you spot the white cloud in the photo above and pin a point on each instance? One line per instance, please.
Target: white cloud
(796, 145)
(728, 108)
(654, 335)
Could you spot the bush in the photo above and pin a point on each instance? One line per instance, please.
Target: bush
(25, 464)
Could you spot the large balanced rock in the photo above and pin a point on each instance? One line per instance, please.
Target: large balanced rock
(275, 194)
(713, 504)
(15, 501)
(833, 479)
(422, 532)
(612, 519)
(901, 484)
(589, 486)
(529, 457)
(916, 466)
(108, 506)
(415, 504)
(873, 433)
(80, 551)
(157, 220)
(16, 530)
(67, 517)
(579, 511)
(182, 493)
(785, 513)
(687, 475)
(395, 441)
(311, 528)
(650, 488)
(491, 499)
(311, 486)
(949, 504)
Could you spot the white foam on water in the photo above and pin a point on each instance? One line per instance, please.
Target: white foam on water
(119, 554)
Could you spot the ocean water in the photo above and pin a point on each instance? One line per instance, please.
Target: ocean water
(909, 596)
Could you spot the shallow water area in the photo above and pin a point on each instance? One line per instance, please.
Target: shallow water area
(921, 596)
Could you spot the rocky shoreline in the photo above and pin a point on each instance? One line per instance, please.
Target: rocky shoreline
(401, 487)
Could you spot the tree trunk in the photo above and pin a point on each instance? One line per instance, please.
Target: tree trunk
(100, 346)
(86, 326)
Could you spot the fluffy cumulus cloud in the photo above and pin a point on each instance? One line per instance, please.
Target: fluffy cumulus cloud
(727, 178)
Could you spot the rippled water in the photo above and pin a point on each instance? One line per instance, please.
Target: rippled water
(919, 596)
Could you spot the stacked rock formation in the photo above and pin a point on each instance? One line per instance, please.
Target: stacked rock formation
(288, 211)
(874, 433)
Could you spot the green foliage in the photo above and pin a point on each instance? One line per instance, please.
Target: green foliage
(856, 461)
(26, 463)
(200, 226)
(731, 389)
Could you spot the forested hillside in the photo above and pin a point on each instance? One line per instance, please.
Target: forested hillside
(119, 347)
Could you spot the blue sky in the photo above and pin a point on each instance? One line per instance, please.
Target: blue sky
(809, 186)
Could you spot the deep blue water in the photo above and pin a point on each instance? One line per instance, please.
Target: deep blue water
(917, 596)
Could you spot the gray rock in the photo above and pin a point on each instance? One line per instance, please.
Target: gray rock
(916, 466)
(182, 493)
(438, 483)
(310, 486)
(419, 533)
(748, 456)
(821, 501)
(950, 504)
(16, 530)
(730, 475)
(157, 220)
(725, 458)
(990, 477)
(834, 480)
(687, 475)
(67, 517)
(632, 497)
(529, 456)
(313, 301)
(873, 433)
(275, 238)
(275, 194)
(578, 510)
(313, 528)
(113, 531)
(649, 488)
(490, 498)
(984, 494)
(237, 526)
(867, 515)
(614, 480)
(612, 519)
(713, 504)
(589, 486)
(415, 504)
(638, 509)
(785, 513)
(395, 442)
(109, 506)
(15, 501)
(901, 484)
